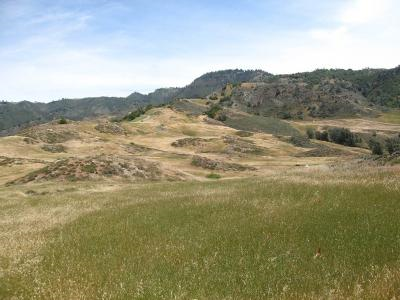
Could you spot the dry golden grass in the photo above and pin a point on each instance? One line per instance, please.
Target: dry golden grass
(266, 226)
(356, 125)
(156, 131)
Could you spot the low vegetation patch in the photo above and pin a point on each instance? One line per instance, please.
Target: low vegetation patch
(50, 135)
(62, 121)
(213, 176)
(324, 151)
(110, 128)
(261, 124)
(393, 144)
(341, 136)
(242, 133)
(207, 163)
(10, 161)
(136, 149)
(238, 145)
(299, 141)
(228, 144)
(73, 169)
(137, 113)
(191, 142)
(54, 148)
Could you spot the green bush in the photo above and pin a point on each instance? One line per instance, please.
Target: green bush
(222, 118)
(214, 97)
(322, 136)
(213, 111)
(134, 114)
(393, 145)
(375, 146)
(62, 121)
(342, 136)
(300, 141)
(310, 133)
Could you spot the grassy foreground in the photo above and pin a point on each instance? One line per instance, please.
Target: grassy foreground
(241, 239)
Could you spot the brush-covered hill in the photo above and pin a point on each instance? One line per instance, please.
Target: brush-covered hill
(318, 94)
(15, 116)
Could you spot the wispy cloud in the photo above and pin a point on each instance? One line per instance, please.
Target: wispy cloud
(51, 51)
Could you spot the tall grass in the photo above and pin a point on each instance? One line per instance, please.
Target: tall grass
(248, 239)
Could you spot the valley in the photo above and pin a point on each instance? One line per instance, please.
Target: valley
(201, 198)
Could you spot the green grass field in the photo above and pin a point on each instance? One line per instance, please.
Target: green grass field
(233, 239)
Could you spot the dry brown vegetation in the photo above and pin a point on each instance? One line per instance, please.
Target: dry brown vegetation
(164, 136)
(104, 185)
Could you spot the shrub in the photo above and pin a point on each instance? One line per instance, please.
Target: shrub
(300, 141)
(225, 99)
(62, 121)
(134, 114)
(222, 118)
(214, 97)
(342, 136)
(393, 145)
(322, 136)
(310, 133)
(375, 147)
(213, 111)
(285, 115)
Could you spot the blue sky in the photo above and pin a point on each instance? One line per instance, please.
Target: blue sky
(77, 48)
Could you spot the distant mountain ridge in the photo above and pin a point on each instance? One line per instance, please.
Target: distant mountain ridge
(318, 94)
(15, 116)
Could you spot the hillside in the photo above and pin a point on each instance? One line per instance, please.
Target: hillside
(15, 116)
(174, 204)
(318, 94)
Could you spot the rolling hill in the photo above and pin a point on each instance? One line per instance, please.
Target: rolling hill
(318, 94)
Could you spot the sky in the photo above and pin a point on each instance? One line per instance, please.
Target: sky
(51, 49)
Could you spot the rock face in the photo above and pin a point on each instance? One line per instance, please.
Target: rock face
(207, 163)
(295, 99)
(73, 169)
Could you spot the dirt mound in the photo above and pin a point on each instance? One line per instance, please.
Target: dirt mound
(74, 169)
(136, 149)
(49, 135)
(238, 145)
(110, 128)
(228, 144)
(211, 164)
(191, 142)
(31, 141)
(54, 148)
